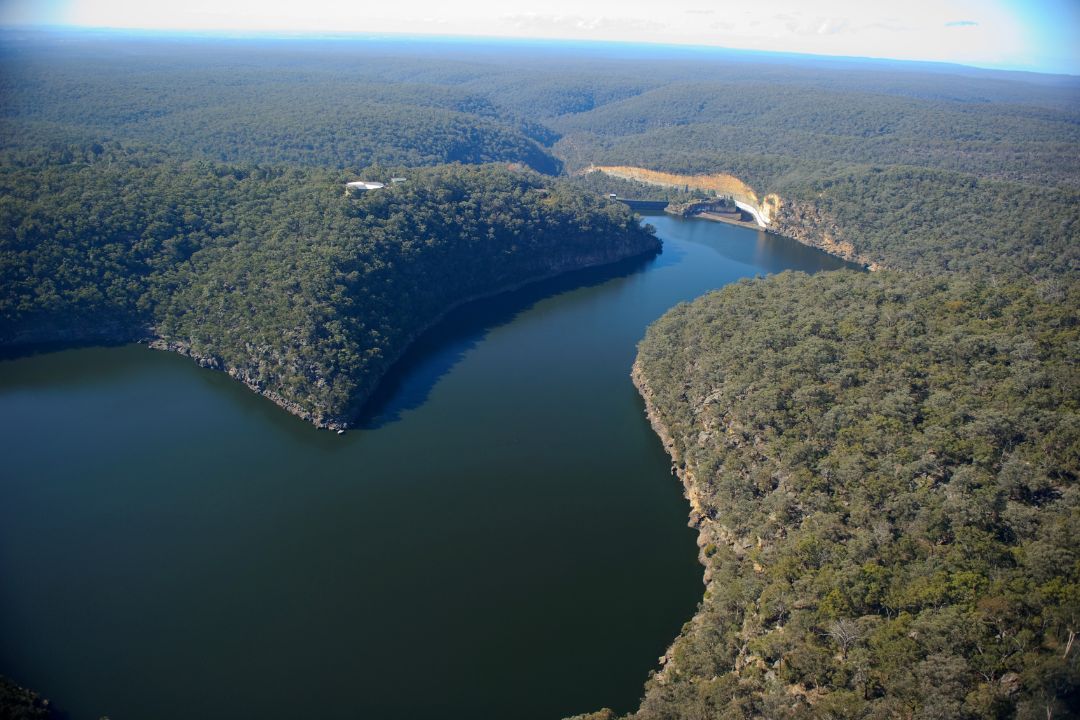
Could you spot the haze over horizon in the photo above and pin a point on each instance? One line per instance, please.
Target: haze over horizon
(1041, 36)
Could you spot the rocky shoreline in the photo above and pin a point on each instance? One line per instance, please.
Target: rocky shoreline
(212, 362)
(343, 421)
(53, 336)
(794, 223)
(679, 468)
(806, 224)
(711, 534)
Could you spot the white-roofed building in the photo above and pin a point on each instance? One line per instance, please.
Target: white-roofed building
(360, 186)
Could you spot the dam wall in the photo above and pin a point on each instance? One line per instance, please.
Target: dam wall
(747, 207)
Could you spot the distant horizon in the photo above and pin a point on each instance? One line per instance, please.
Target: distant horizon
(462, 39)
(1041, 36)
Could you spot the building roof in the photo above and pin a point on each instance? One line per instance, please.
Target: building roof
(364, 185)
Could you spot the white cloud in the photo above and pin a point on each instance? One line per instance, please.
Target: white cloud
(995, 32)
(832, 26)
(570, 25)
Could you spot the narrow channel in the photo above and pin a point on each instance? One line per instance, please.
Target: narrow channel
(501, 539)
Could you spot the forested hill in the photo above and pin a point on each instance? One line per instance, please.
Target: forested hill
(812, 127)
(884, 473)
(253, 102)
(349, 102)
(921, 172)
(271, 272)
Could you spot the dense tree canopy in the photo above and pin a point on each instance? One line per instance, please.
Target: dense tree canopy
(929, 221)
(811, 126)
(884, 471)
(272, 271)
(261, 106)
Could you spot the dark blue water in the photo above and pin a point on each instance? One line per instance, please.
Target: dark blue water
(502, 539)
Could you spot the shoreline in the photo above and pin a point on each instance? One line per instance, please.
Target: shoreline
(678, 467)
(68, 338)
(709, 533)
(344, 422)
(697, 517)
(151, 339)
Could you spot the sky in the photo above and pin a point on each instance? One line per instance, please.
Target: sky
(1037, 35)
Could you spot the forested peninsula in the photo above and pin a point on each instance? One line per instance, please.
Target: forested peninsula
(274, 274)
(883, 473)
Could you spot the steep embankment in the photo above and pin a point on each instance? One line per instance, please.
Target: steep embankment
(883, 471)
(881, 468)
(252, 373)
(808, 223)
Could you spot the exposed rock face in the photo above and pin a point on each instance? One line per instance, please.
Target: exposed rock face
(753, 392)
(678, 466)
(805, 222)
(799, 220)
(81, 331)
(720, 183)
(254, 382)
(711, 535)
(762, 208)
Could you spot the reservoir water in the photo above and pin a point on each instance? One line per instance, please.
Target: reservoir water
(502, 539)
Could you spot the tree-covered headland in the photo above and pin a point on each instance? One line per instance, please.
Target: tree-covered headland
(884, 472)
(274, 273)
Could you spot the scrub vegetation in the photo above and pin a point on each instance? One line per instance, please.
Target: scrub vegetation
(884, 472)
(882, 466)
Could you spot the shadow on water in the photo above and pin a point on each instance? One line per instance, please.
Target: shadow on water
(98, 363)
(409, 382)
(18, 352)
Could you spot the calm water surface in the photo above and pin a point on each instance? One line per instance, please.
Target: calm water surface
(502, 539)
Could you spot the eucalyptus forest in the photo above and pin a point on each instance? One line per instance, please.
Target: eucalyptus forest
(881, 465)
